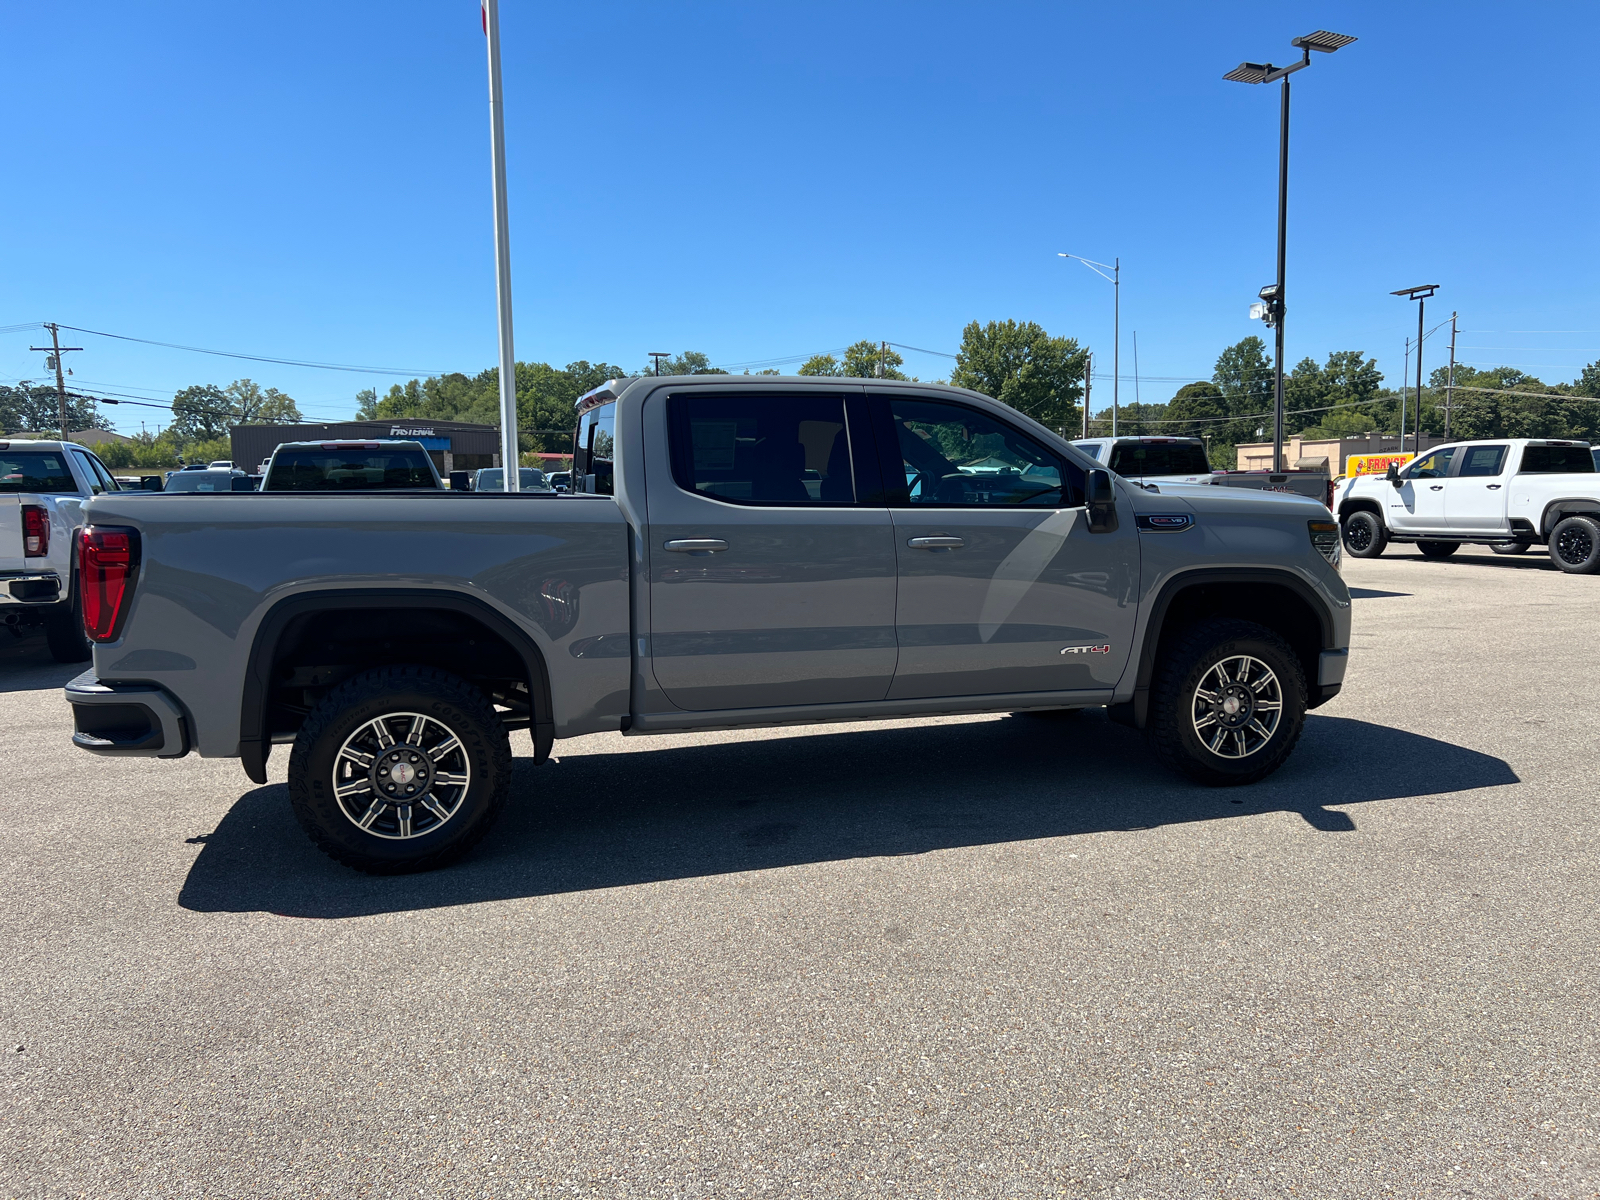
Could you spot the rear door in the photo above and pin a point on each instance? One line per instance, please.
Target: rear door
(1475, 496)
(771, 566)
(1002, 586)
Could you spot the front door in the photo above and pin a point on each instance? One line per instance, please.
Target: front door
(1003, 589)
(1475, 497)
(1417, 505)
(770, 583)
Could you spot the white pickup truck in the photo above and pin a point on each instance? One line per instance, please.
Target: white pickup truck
(43, 488)
(1506, 493)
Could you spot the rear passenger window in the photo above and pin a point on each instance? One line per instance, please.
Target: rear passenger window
(1556, 460)
(1483, 460)
(762, 449)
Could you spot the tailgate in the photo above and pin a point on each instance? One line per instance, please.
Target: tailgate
(11, 535)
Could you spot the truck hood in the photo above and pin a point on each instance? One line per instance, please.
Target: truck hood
(1205, 498)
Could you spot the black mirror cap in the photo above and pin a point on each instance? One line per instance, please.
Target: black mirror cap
(1393, 474)
(1102, 504)
(460, 481)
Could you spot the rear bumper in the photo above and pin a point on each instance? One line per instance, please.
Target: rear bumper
(126, 720)
(30, 589)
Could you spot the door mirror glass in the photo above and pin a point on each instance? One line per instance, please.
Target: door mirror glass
(1102, 504)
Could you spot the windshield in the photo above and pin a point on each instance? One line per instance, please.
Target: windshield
(1556, 460)
(201, 481)
(349, 470)
(493, 479)
(1159, 458)
(42, 471)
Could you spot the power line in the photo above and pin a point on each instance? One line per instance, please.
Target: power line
(265, 358)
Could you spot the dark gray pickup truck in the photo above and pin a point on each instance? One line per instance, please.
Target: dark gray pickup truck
(737, 552)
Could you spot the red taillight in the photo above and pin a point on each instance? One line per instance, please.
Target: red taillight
(35, 531)
(108, 559)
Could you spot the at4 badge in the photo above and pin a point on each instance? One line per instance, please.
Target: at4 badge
(1086, 650)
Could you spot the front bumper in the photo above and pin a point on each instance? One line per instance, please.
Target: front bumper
(1330, 674)
(126, 720)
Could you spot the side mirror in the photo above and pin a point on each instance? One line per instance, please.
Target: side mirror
(1393, 474)
(243, 483)
(1102, 503)
(460, 481)
(151, 483)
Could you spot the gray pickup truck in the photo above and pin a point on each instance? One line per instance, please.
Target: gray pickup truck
(738, 552)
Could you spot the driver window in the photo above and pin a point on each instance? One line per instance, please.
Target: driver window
(954, 456)
(1434, 466)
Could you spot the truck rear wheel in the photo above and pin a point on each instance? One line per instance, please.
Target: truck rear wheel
(1438, 549)
(1575, 545)
(1364, 534)
(63, 632)
(1227, 703)
(1510, 547)
(400, 769)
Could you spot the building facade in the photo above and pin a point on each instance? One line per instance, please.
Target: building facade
(1330, 454)
(453, 445)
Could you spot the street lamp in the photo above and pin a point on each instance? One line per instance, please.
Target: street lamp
(1115, 279)
(1420, 294)
(1325, 43)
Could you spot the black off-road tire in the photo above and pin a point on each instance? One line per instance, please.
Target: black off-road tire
(1186, 665)
(445, 700)
(1510, 547)
(1364, 534)
(1575, 545)
(1438, 549)
(63, 632)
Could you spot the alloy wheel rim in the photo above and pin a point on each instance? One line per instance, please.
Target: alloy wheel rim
(1358, 535)
(1237, 706)
(1575, 546)
(401, 776)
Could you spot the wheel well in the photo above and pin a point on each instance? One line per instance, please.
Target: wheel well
(1280, 608)
(318, 650)
(1558, 510)
(1362, 505)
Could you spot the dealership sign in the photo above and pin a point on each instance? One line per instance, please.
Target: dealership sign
(1374, 464)
(397, 431)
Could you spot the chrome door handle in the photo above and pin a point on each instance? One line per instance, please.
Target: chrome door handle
(1436, 487)
(696, 545)
(1493, 487)
(935, 543)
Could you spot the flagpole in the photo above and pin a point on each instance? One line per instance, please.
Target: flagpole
(509, 457)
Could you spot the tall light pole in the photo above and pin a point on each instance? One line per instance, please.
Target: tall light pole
(1326, 43)
(1115, 279)
(1420, 294)
(510, 459)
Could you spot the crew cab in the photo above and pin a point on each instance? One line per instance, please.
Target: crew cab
(1508, 493)
(383, 465)
(1154, 460)
(739, 552)
(43, 487)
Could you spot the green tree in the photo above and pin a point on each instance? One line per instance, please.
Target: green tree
(821, 364)
(690, 362)
(34, 408)
(1019, 364)
(205, 412)
(862, 361)
(1197, 411)
(367, 404)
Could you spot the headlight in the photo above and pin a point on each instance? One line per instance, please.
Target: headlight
(1325, 537)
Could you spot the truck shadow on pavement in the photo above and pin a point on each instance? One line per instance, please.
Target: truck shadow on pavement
(633, 816)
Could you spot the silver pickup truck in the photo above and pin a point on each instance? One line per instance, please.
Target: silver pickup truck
(738, 553)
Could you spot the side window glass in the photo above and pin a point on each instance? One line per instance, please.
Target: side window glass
(762, 449)
(1435, 466)
(106, 480)
(955, 456)
(596, 448)
(93, 480)
(1483, 460)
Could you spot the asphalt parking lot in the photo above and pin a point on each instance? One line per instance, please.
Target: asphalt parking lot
(995, 956)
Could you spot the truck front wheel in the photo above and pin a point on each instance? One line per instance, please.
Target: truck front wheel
(1227, 703)
(1364, 534)
(1575, 545)
(400, 769)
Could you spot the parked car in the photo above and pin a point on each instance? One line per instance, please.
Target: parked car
(561, 481)
(698, 582)
(493, 479)
(43, 487)
(1154, 460)
(222, 464)
(1507, 493)
(384, 465)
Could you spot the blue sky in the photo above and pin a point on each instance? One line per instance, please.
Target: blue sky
(763, 181)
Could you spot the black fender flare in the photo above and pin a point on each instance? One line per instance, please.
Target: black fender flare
(1136, 712)
(1553, 512)
(254, 737)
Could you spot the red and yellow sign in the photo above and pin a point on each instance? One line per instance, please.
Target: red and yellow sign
(1374, 464)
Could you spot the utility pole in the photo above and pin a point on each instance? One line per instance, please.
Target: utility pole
(1450, 385)
(1405, 372)
(883, 360)
(55, 350)
(510, 459)
(1088, 376)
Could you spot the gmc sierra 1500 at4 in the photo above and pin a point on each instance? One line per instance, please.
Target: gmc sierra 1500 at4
(736, 552)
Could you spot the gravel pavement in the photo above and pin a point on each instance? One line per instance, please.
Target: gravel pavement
(974, 957)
